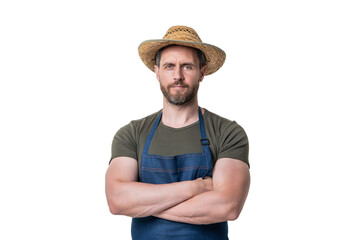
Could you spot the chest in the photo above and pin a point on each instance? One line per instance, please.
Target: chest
(171, 142)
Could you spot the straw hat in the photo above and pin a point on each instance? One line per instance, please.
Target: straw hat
(184, 36)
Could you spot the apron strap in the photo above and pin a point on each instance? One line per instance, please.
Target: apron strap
(151, 135)
(204, 140)
(205, 144)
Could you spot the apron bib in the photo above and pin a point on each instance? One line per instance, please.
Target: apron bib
(157, 169)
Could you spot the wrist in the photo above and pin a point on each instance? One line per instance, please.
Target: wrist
(199, 186)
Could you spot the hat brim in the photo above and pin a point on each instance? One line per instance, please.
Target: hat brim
(215, 56)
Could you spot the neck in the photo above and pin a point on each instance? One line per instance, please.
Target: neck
(177, 116)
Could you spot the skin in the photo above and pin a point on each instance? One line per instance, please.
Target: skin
(179, 65)
(201, 201)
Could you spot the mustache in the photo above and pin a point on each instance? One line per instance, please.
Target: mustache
(178, 83)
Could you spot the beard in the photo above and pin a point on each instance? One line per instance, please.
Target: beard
(180, 97)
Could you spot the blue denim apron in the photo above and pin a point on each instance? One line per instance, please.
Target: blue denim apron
(159, 170)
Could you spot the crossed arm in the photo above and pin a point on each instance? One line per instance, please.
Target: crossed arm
(201, 201)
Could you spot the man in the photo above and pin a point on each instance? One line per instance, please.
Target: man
(182, 172)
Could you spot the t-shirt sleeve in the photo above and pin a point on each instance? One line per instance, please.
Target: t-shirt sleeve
(234, 143)
(124, 143)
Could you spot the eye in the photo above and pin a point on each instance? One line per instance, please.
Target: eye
(169, 66)
(187, 67)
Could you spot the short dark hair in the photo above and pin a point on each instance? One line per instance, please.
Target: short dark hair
(200, 54)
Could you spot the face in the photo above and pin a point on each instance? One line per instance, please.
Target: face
(179, 74)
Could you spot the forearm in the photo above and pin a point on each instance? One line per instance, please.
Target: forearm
(206, 208)
(136, 199)
(223, 203)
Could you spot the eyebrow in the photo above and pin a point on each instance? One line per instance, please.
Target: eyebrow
(185, 63)
(189, 63)
(167, 63)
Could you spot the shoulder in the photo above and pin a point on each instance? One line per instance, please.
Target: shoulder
(140, 123)
(225, 132)
(127, 139)
(137, 126)
(220, 124)
(230, 139)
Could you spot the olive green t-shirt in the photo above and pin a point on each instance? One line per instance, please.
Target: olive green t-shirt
(227, 139)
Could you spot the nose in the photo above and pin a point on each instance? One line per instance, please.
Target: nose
(178, 74)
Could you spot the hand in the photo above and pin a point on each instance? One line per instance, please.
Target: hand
(206, 184)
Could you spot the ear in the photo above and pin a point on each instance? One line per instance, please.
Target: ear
(202, 72)
(157, 72)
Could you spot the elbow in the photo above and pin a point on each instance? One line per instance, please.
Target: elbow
(233, 213)
(117, 205)
(123, 207)
(114, 211)
(118, 209)
(114, 208)
(117, 202)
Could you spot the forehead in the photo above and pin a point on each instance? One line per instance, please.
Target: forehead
(179, 53)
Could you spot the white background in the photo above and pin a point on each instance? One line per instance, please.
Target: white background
(71, 77)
